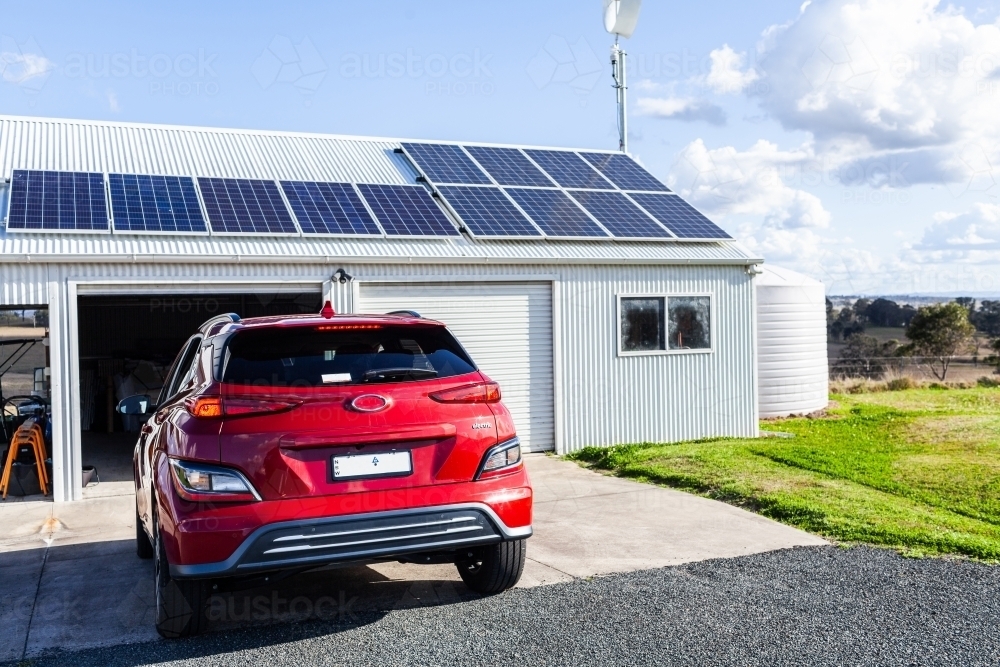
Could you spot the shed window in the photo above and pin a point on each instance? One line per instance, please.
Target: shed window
(651, 324)
(642, 324)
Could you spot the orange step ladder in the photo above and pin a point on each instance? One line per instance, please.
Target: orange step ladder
(28, 434)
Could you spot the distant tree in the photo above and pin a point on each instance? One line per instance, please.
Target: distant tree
(987, 318)
(908, 313)
(861, 308)
(939, 333)
(966, 302)
(865, 356)
(846, 324)
(885, 313)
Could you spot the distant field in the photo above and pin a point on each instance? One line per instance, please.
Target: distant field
(915, 470)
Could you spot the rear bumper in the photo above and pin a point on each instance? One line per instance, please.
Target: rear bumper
(360, 537)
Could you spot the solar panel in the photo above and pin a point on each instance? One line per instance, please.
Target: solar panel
(57, 201)
(568, 169)
(487, 212)
(624, 172)
(406, 210)
(245, 206)
(442, 163)
(329, 208)
(509, 166)
(556, 213)
(620, 216)
(141, 203)
(679, 217)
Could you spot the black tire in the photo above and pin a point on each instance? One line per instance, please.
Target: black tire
(143, 546)
(180, 603)
(493, 568)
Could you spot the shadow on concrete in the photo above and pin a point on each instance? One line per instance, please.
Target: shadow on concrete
(72, 599)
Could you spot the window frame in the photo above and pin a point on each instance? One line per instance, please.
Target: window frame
(666, 320)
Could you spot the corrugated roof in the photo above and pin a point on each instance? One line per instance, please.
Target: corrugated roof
(77, 145)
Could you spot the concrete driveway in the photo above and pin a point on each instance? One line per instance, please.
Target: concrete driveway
(69, 577)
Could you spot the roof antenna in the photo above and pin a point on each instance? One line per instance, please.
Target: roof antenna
(620, 17)
(327, 311)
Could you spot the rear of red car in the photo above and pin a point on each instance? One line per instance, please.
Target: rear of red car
(307, 441)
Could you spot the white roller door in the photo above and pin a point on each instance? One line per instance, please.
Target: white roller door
(506, 327)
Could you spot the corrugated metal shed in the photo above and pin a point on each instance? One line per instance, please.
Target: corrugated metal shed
(599, 397)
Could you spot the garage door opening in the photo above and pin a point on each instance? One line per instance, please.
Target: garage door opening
(24, 375)
(127, 344)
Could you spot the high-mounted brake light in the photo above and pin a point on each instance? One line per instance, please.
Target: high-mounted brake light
(207, 407)
(346, 327)
(481, 392)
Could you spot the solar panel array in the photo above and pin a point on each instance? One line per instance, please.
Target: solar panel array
(624, 172)
(444, 163)
(486, 212)
(509, 166)
(407, 210)
(493, 193)
(245, 205)
(557, 214)
(683, 219)
(619, 215)
(584, 194)
(141, 203)
(57, 201)
(329, 208)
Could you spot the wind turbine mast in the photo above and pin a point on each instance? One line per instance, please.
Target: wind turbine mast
(620, 17)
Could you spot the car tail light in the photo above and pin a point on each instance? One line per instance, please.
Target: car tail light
(204, 406)
(199, 482)
(207, 407)
(503, 458)
(481, 392)
(254, 406)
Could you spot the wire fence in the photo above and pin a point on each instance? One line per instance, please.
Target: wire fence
(873, 367)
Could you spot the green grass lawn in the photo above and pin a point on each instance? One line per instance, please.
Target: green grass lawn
(917, 470)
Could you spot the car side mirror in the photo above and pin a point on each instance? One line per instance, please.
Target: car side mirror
(135, 405)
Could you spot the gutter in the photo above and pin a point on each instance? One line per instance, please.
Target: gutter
(135, 258)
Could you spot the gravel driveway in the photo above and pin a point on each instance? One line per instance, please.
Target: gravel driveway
(808, 605)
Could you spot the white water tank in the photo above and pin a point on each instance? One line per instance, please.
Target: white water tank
(793, 375)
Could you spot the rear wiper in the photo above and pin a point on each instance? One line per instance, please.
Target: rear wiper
(398, 374)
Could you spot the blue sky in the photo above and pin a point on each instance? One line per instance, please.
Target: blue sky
(854, 141)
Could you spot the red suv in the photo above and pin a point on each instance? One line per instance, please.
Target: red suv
(282, 444)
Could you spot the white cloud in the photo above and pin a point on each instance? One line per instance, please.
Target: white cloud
(23, 64)
(113, 101)
(964, 236)
(724, 181)
(682, 108)
(727, 74)
(909, 81)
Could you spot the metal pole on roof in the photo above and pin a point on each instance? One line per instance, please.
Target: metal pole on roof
(620, 17)
(618, 67)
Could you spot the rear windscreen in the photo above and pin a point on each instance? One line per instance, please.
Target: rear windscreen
(342, 354)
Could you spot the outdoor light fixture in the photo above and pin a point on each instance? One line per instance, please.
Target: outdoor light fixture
(342, 276)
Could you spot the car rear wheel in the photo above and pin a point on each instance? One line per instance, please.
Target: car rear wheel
(492, 568)
(180, 603)
(143, 546)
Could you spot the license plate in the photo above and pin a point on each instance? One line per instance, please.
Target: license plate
(372, 465)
